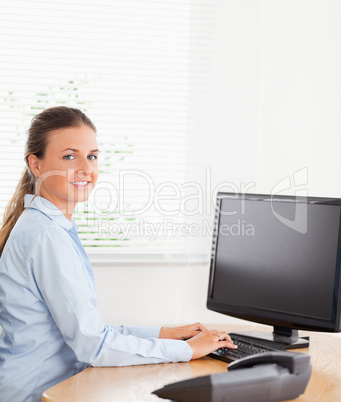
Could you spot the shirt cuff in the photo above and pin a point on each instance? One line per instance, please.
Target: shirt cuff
(177, 351)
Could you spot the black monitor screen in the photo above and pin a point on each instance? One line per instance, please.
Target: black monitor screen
(275, 260)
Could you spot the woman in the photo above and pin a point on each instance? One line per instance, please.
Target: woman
(48, 303)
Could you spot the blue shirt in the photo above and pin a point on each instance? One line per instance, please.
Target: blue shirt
(48, 311)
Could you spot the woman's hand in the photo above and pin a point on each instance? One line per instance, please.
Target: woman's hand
(185, 332)
(208, 341)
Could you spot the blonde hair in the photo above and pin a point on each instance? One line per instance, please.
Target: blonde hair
(42, 125)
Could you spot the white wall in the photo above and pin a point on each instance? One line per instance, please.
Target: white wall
(235, 92)
(159, 295)
(300, 94)
(276, 109)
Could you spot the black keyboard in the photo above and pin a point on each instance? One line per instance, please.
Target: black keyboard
(247, 346)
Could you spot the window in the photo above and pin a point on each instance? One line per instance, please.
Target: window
(140, 70)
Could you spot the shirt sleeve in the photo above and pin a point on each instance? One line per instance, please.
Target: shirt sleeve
(140, 331)
(65, 286)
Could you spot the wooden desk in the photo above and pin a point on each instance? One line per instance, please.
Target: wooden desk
(135, 383)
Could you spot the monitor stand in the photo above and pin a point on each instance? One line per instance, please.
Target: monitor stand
(287, 337)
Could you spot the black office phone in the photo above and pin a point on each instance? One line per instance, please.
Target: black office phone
(266, 377)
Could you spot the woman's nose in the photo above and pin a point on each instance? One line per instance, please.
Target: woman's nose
(84, 168)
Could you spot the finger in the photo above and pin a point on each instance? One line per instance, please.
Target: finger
(190, 334)
(226, 344)
(201, 327)
(214, 335)
(194, 330)
(224, 336)
(198, 327)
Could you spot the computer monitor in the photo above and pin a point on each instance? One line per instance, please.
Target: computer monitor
(276, 261)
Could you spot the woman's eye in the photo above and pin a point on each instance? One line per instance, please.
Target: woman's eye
(92, 157)
(68, 157)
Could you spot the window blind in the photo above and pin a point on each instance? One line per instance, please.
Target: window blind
(141, 71)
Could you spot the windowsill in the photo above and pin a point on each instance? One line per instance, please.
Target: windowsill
(106, 259)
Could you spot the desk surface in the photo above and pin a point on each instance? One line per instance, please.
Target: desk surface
(135, 383)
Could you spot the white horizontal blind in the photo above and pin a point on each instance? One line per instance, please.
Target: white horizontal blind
(140, 70)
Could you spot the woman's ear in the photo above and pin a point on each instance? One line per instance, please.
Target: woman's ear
(34, 164)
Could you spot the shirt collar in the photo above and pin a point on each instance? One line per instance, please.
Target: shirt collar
(50, 210)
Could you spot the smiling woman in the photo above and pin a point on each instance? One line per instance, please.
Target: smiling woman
(41, 140)
(48, 311)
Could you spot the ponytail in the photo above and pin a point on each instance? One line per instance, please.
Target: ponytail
(15, 207)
